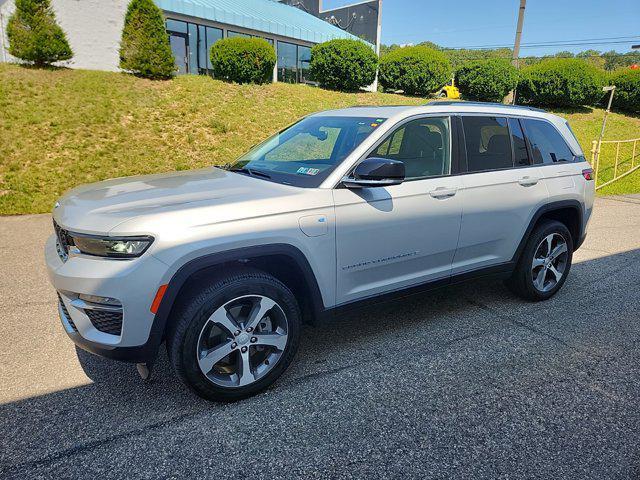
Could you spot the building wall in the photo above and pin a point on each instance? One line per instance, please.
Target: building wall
(360, 17)
(93, 28)
(6, 9)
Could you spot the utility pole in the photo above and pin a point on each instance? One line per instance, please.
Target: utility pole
(597, 145)
(511, 98)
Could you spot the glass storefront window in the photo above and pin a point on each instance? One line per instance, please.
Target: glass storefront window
(203, 53)
(268, 40)
(304, 62)
(193, 48)
(190, 44)
(176, 26)
(231, 34)
(287, 62)
(213, 35)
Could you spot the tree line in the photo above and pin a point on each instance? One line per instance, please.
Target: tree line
(608, 61)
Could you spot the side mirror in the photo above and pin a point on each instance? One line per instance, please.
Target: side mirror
(376, 172)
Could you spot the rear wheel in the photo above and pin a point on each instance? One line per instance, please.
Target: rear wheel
(545, 262)
(235, 337)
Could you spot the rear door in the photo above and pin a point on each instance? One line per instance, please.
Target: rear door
(501, 191)
(549, 150)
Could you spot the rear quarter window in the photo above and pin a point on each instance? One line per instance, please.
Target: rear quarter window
(547, 145)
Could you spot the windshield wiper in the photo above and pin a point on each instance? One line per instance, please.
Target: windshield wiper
(250, 171)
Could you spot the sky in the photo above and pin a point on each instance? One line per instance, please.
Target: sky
(472, 23)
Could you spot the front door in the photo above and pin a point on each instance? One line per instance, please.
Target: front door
(389, 238)
(178, 44)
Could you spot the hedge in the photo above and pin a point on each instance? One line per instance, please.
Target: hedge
(561, 82)
(34, 35)
(487, 80)
(243, 60)
(145, 49)
(343, 64)
(627, 94)
(415, 70)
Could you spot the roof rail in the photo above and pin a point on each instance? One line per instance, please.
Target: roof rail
(376, 106)
(483, 104)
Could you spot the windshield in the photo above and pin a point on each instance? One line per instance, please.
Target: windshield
(307, 152)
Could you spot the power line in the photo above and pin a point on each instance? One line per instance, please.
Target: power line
(626, 37)
(508, 55)
(559, 43)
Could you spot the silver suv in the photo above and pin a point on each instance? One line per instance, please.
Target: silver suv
(342, 208)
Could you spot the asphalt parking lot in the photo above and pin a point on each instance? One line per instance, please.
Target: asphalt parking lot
(467, 382)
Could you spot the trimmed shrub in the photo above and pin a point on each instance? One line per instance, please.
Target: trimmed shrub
(487, 80)
(34, 35)
(243, 60)
(343, 64)
(145, 49)
(415, 70)
(627, 95)
(561, 82)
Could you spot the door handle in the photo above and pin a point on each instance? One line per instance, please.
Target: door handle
(528, 181)
(442, 192)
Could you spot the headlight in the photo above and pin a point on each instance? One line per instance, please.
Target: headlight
(123, 247)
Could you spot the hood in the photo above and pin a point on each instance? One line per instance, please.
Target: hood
(102, 206)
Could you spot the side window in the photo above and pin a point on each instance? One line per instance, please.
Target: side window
(488, 143)
(519, 145)
(422, 145)
(547, 145)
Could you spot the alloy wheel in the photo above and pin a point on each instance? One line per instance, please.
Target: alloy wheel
(242, 341)
(549, 262)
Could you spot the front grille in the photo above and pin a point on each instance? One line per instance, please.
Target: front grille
(67, 317)
(105, 321)
(64, 241)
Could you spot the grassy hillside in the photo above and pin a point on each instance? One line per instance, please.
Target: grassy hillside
(62, 128)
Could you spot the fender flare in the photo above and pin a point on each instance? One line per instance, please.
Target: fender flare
(186, 271)
(547, 208)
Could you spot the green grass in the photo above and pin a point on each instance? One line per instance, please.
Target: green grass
(60, 128)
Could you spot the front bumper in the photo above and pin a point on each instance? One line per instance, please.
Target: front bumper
(132, 282)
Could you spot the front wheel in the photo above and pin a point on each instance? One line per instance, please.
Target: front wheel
(545, 262)
(235, 337)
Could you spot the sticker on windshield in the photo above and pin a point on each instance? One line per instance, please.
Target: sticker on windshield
(308, 171)
(373, 124)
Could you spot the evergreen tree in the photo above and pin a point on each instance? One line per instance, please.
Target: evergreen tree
(34, 35)
(145, 49)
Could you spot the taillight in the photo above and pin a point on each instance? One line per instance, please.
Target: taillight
(587, 173)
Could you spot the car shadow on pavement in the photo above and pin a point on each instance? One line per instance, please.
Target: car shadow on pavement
(117, 403)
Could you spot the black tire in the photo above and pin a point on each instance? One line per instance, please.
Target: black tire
(192, 315)
(521, 282)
